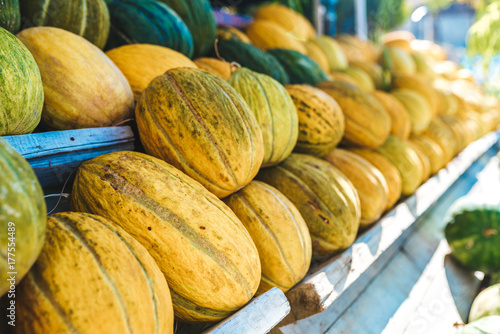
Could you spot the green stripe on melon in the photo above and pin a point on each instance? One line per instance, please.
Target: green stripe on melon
(21, 90)
(473, 233)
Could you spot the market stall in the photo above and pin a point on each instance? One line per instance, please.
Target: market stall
(210, 167)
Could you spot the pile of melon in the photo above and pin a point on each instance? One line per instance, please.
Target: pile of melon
(265, 150)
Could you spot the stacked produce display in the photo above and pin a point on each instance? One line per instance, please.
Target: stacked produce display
(263, 150)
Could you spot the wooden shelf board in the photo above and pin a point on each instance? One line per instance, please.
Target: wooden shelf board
(55, 155)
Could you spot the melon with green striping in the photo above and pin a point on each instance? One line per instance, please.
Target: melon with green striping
(93, 277)
(21, 89)
(253, 58)
(208, 258)
(368, 181)
(200, 19)
(150, 22)
(326, 199)
(22, 214)
(388, 170)
(10, 15)
(274, 110)
(87, 18)
(406, 160)
(279, 232)
(300, 68)
(473, 232)
(203, 126)
(321, 121)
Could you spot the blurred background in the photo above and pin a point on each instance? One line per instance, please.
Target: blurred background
(468, 29)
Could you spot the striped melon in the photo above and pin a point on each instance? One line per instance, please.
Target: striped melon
(333, 51)
(473, 232)
(200, 20)
(208, 258)
(318, 55)
(10, 15)
(424, 159)
(21, 92)
(325, 198)
(253, 58)
(274, 110)
(372, 69)
(432, 150)
(367, 123)
(300, 68)
(362, 79)
(441, 134)
(419, 84)
(22, 215)
(279, 232)
(148, 22)
(406, 161)
(388, 170)
(83, 87)
(461, 137)
(321, 121)
(93, 277)
(141, 63)
(201, 125)
(400, 119)
(368, 181)
(417, 107)
(400, 62)
(87, 18)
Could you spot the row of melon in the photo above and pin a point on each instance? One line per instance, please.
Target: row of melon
(161, 207)
(219, 136)
(186, 26)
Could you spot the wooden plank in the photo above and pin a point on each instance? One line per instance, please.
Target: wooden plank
(310, 297)
(55, 155)
(259, 316)
(351, 271)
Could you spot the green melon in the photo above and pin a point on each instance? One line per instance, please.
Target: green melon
(473, 233)
(148, 22)
(10, 15)
(252, 58)
(300, 68)
(274, 110)
(22, 215)
(21, 90)
(200, 19)
(325, 198)
(486, 303)
(87, 18)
